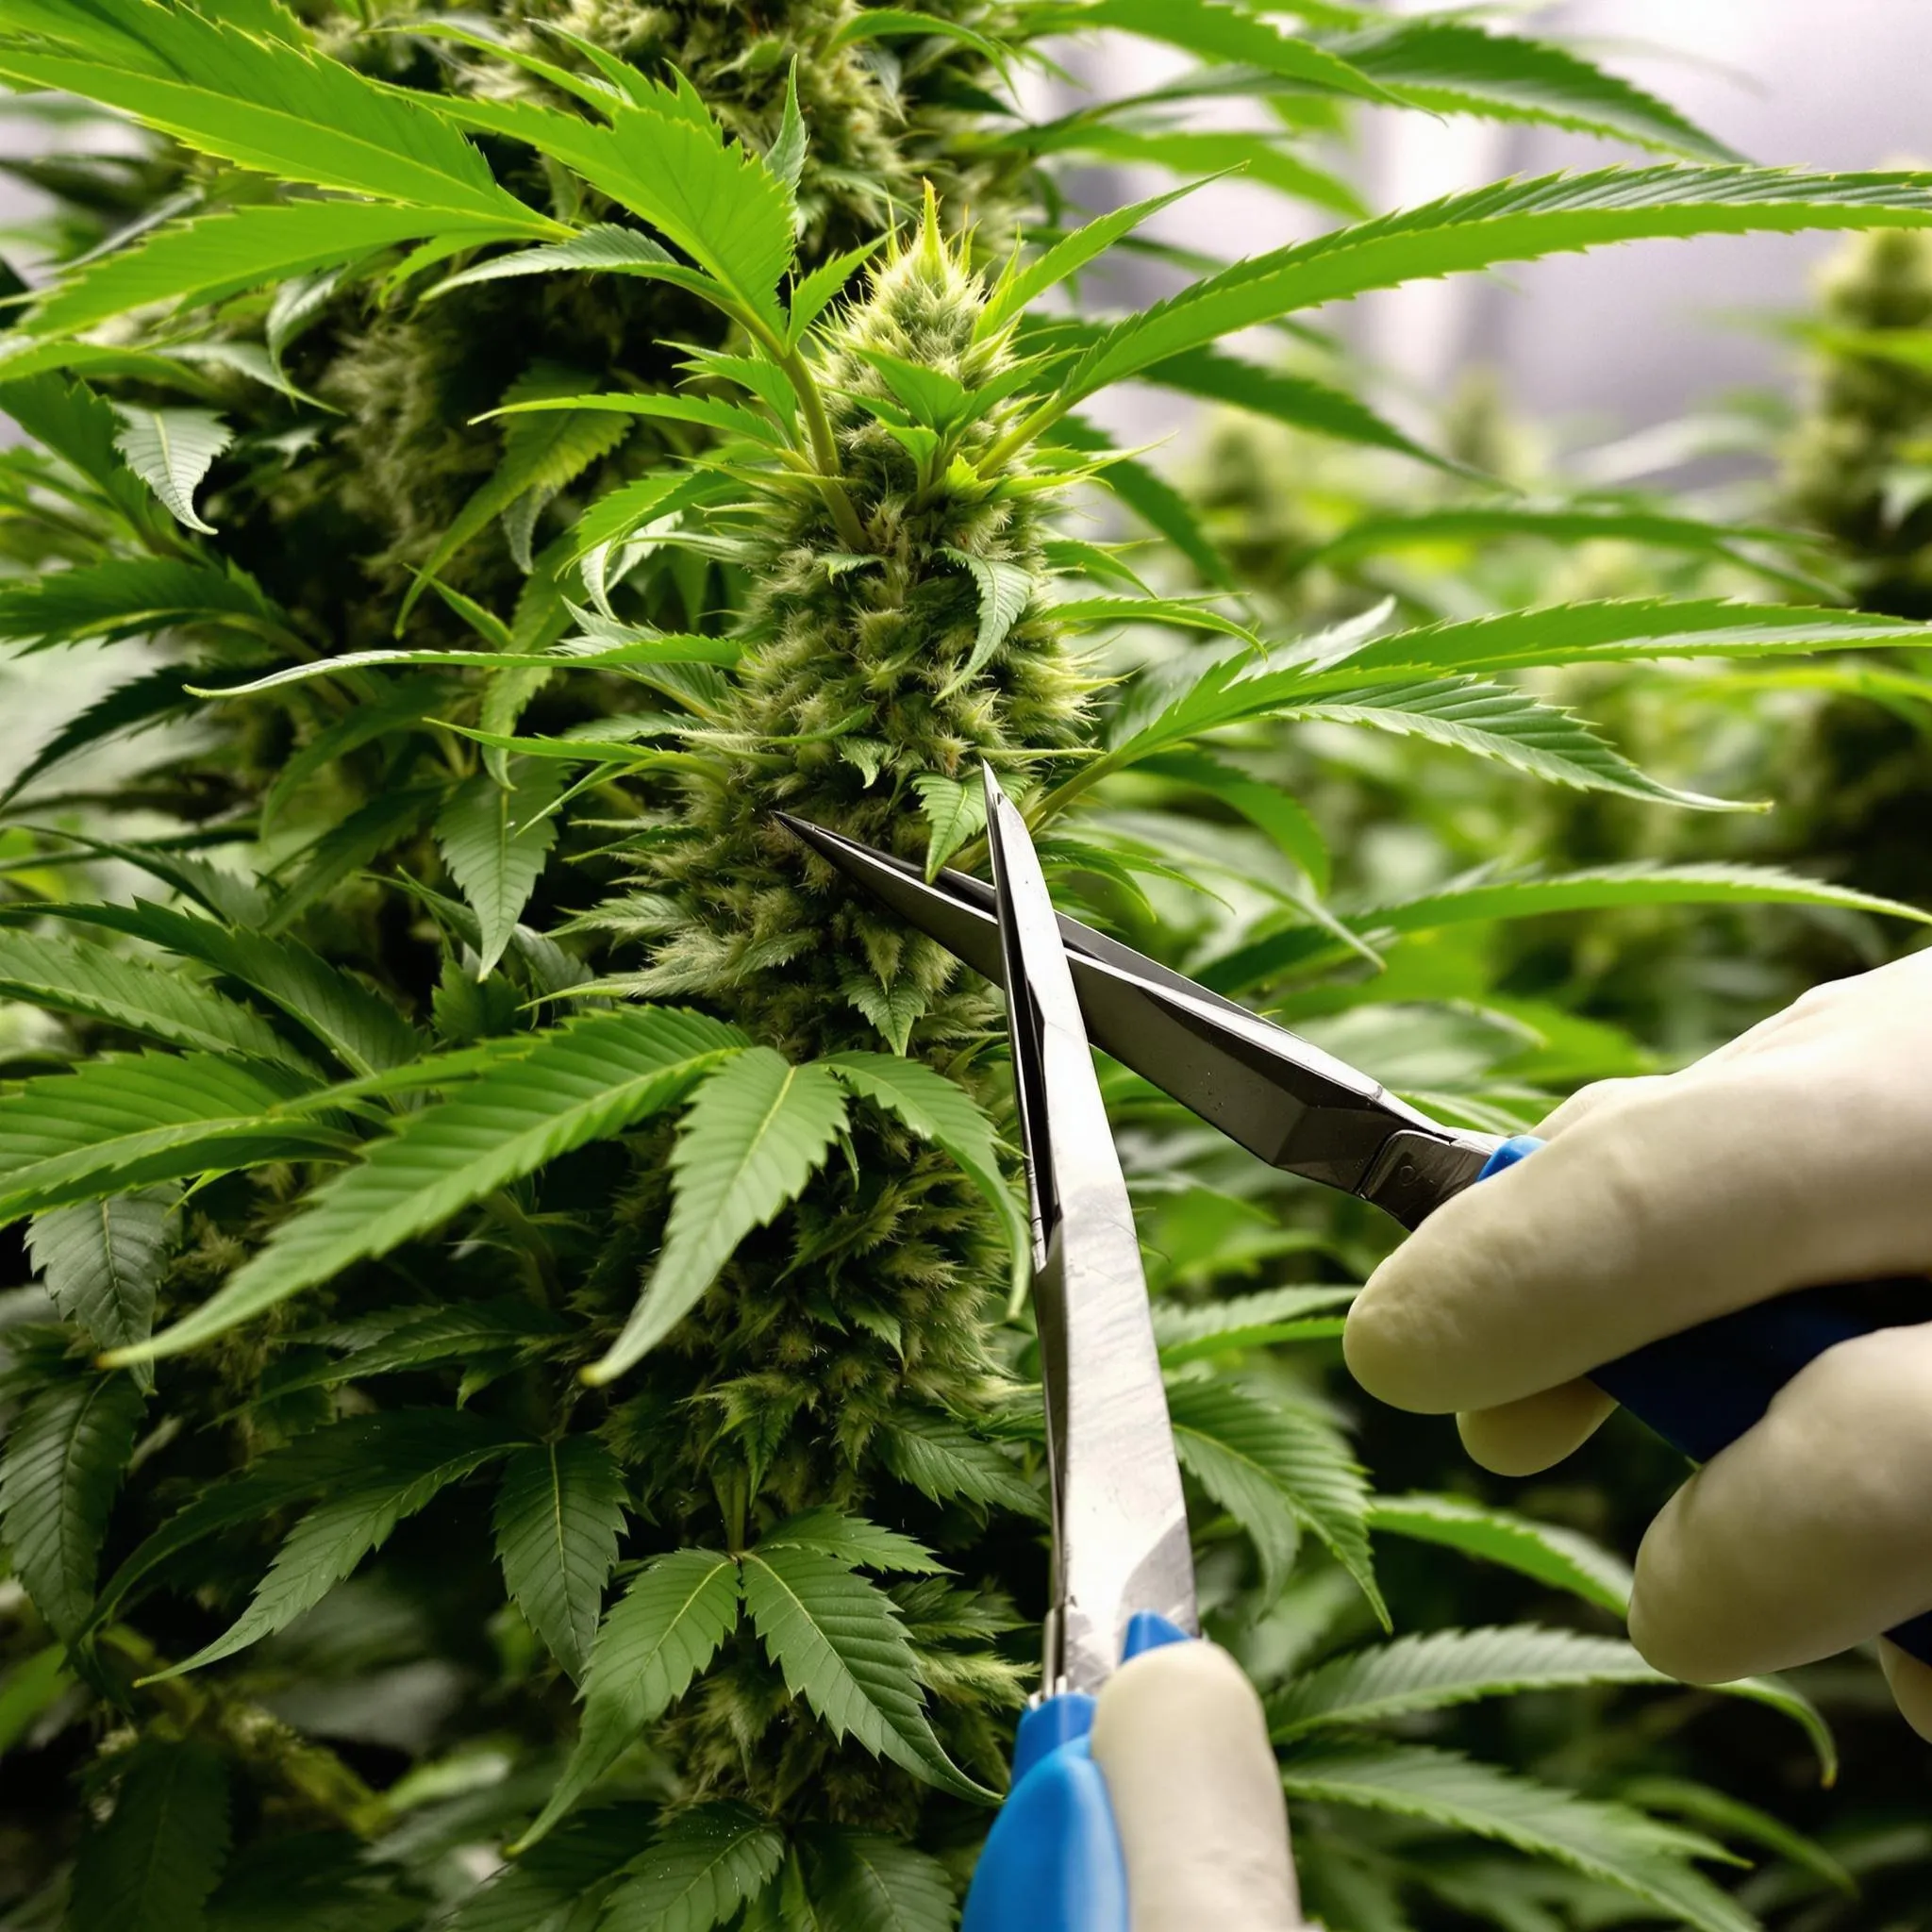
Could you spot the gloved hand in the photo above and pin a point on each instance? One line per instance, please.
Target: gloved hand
(1196, 1793)
(1800, 1154)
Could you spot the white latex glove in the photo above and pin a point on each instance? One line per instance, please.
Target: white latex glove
(1798, 1155)
(1181, 1739)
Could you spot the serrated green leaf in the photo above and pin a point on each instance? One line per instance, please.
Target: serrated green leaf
(130, 597)
(729, 419)
(557, 1886)
(1460, 67)
(1004, 590)
(1299, 401)
(221, 255)
(698, 1872)
(1191, 1333)
(583, 1081)
(863, 1881)
(812, 296)
(170, 451)
(65, 1456)
(358, 1026)
(1729, 1816)
(129, 1120)
(67, 417)
(1286, 820)
(1500, 721)
(670, 164)
(655, 1639)
(854, 1542)
(541, 453)
(604, 247)
(1278, 1466)
(135, 706)
(1449, 1667)
(1636, 884)
(1018, 289)
(559, 1513)
(838, 1641)
(326, 1459)
(1649, 1860)
(1618, 630)
(1231, 34)
(1513, 220)
(942, 1459)
(102, 1261)
(270, 106)
(1086, 613)
(412, 1339)
(956, 809)
(354, 1517)
(494, 841)
(1559, 1558)
(939, 1111)
(757, 1130)
(129, 993)
(152, 1865)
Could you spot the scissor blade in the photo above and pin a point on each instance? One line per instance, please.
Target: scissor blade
(1281, 1097)
(1120, 1524)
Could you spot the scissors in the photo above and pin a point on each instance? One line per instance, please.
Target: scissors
(1123, 1567)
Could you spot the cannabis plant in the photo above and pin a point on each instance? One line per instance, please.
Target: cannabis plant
(527, 1375)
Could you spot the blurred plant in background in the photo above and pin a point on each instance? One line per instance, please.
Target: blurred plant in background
(480, 464)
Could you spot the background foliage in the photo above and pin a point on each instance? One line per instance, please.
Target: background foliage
(520, 1353)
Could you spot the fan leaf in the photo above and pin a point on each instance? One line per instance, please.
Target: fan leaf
(655, 1639)
(758, 1129)
(559, 1513)
(583, 1081)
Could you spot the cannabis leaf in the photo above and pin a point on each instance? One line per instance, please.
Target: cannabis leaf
(1621, 1847)
(170, 451)
(266, 104)
(863, 1881)
(657, 1637)
(1004, 592)
(132, 994)
(942, 1459)
(1446, 1667)
(65, 1457)
(101, 1262)
(125, 1121)
(956, 810)
(1248, 1321)
(550, 1886)
(941, 1111)
(698, 1871)
(583, 1081)
(757, 1129)
(852, 1541)
(221, 255)
(495, 839)
(1279, 1466)
(358, 1026)
(1546, 1552)
(1517, 221)
(559, 1511)
(152, 1865)
(840, 1643)
(354, 1519)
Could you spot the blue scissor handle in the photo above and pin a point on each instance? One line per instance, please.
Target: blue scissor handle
(1702, 1388)
(1053, 1862)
